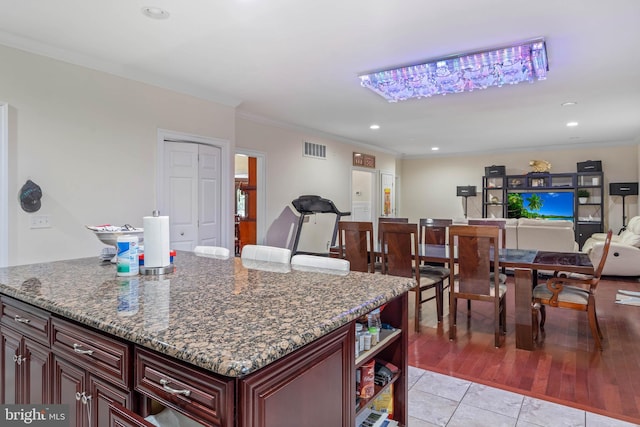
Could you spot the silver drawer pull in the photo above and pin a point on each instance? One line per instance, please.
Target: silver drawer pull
(21, 319)
(173, 390)
(19, 359)
(78, 349)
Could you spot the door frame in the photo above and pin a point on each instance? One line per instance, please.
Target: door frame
(226, 174)
(261, 187)
(4, 184)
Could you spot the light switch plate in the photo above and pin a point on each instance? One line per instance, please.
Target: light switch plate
(40, 221)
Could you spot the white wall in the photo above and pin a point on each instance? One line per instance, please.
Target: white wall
(429, 185)
(289, 174)
(89, 140)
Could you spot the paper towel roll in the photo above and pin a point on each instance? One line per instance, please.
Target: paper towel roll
(156, 241)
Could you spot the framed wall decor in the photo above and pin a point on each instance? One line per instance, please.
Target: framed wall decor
(364, 160)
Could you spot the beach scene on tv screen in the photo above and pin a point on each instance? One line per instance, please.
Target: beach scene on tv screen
(551, 205)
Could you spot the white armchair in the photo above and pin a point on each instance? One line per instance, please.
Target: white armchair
(624, 254)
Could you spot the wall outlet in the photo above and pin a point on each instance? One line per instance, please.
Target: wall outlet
(40, 221)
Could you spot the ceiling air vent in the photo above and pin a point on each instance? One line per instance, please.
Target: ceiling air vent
(317, 151)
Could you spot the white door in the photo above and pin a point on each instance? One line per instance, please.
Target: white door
(208, 200)
(192, 192)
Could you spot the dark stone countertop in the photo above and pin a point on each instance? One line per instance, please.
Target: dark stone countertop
(212, 313)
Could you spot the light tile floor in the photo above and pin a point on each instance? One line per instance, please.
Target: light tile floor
(440, 400)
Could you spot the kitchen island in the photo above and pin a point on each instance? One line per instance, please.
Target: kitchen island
(240, 346)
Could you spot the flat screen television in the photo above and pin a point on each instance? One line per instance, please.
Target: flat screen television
(546, 205)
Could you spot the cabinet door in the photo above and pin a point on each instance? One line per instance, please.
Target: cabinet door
(104, 394)
(312, 386)
(36, 373)
(585, 230)
(68, 380)
(10, 380)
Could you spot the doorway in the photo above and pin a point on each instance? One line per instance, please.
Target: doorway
(363, 191)
(250, 171)
(194, 189)
(246, 213)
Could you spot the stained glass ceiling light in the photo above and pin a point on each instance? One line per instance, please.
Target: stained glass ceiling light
(466, 72)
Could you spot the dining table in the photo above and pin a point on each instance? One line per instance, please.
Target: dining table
(527, 264)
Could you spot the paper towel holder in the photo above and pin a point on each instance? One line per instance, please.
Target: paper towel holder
(156, 271)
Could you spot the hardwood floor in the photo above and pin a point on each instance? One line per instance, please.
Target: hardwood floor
(564, 368)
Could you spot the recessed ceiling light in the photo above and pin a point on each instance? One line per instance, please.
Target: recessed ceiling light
(374, 127)
(572, 124)
(435, 148)
(568, 104)
(155, 12)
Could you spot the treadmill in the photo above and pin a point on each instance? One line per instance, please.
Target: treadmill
(308, 205)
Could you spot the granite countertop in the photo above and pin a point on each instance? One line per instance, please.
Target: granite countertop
(212, 313)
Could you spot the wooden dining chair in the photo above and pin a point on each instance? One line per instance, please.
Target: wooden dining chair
(402, 220)
(434, 232)
(502, 226)
(575, 292)
(355, 244)
(390, 219)
(400, 257)
(477, 250)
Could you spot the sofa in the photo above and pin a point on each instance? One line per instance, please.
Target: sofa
(624, 253)
(540, 234)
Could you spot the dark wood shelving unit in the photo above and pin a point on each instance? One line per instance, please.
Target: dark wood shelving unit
(588, 215)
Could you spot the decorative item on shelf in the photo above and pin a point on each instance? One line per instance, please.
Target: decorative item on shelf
(515, 182)
(583, 196)
(539, 166)
(495, 199)
(537, 182)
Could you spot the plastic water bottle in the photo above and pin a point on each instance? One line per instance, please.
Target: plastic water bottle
(373, 319)
(375, 324)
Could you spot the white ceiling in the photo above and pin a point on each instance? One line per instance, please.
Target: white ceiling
(296, 62)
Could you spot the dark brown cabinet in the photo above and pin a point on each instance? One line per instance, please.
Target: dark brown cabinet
(87, 396)
(90, 371)
(315, 383)
(26, 369)
(109, 382)
(70, 381)
(26, 358)
(199, 395)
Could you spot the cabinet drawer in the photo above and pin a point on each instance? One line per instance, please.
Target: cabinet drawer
(177, 385)
(28, 320)
(99, 354)
(119, 416)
